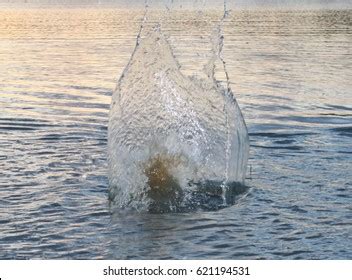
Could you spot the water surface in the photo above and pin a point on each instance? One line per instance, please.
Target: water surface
(291, 74)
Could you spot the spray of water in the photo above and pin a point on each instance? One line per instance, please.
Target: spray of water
(175, 142)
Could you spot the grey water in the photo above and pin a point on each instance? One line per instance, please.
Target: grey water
(290, 71)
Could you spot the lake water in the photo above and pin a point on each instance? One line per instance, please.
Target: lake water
(291, 74)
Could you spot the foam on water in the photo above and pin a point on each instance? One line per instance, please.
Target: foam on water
(173, 138)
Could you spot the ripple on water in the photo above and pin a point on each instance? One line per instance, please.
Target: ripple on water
(56, 84)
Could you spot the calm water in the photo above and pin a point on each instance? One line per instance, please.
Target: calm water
(291, 73)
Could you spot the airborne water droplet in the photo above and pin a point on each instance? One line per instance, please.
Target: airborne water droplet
(174, 141)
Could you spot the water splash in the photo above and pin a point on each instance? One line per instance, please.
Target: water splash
(175, 142)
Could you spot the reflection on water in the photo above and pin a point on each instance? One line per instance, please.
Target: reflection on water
(291, 76)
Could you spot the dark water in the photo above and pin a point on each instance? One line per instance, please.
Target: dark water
(291, 73)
